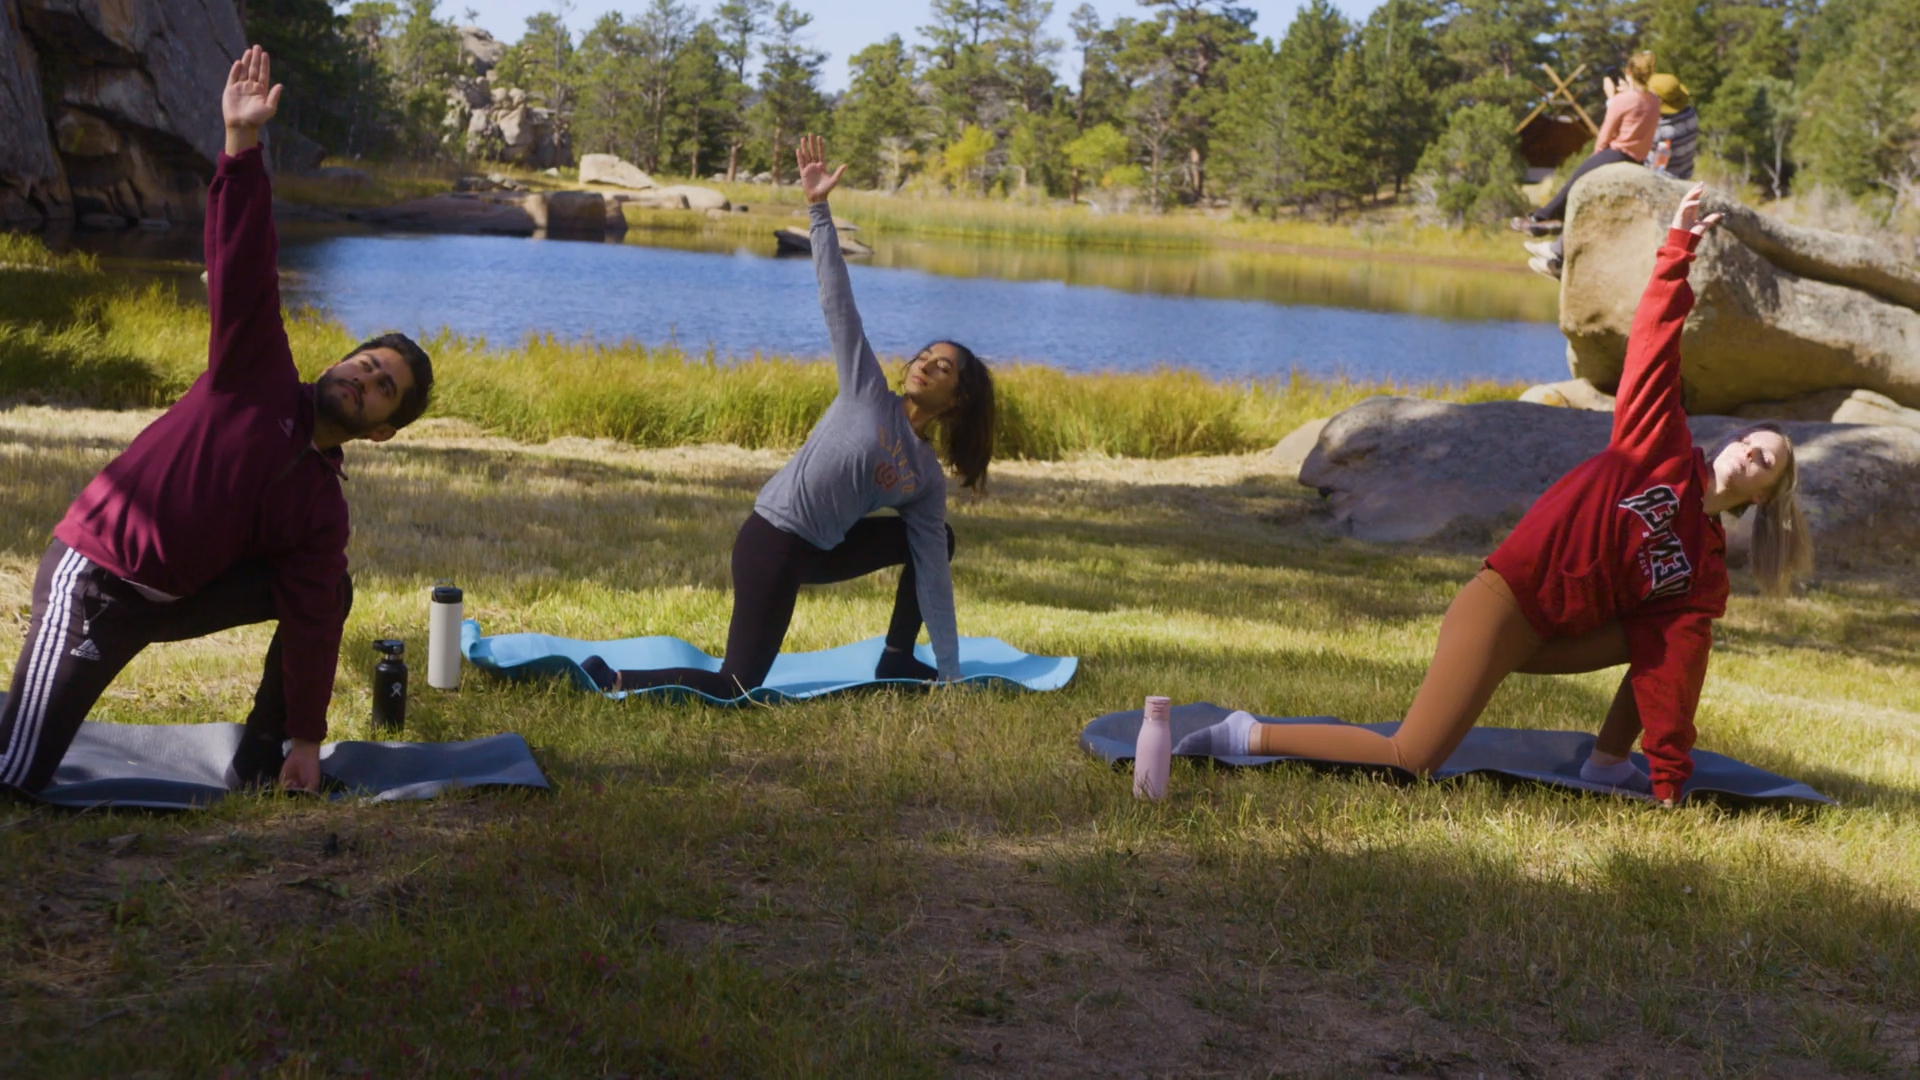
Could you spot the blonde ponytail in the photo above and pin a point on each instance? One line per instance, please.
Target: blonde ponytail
(1782, 546)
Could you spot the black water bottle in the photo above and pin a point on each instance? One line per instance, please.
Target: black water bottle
(390, 686)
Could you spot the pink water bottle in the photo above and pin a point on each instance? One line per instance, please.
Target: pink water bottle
(1153, 751)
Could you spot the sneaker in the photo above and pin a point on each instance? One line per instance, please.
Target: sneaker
(1543, 249)
(603, 676)
(1545, 267)
(1524, 224)
(257, 762)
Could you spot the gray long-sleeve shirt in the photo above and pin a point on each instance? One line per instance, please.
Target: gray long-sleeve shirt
(863, 455)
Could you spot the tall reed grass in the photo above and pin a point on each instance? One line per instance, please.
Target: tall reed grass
(71, 333)
(1379, 232)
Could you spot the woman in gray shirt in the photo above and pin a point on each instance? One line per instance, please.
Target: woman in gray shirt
(871, 450)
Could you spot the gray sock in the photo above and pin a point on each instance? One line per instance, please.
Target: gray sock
(1622, 774)
(1228, 738)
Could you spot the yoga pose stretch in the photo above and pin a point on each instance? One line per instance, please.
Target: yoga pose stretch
(225, 511)
(1620, 562)
(870, 450)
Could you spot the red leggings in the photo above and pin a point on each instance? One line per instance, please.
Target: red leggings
(1483, 639)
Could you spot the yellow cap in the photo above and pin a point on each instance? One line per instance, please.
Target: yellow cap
(1673, 96)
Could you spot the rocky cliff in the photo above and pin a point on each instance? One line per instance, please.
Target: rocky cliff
(110, 109)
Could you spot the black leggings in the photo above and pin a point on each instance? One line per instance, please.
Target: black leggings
(1556, 207)
(769, 566)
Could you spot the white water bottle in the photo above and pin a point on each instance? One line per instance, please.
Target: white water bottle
(1153, 750)
(443, 638)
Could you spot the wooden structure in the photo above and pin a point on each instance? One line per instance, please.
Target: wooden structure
(1548, 136)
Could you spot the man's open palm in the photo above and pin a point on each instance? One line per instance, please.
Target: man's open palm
(250, 99)
(815, 183)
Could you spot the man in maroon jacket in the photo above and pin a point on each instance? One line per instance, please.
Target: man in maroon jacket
(225, 511)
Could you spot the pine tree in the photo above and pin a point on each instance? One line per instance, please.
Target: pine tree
(654, 43)
(739, 26)
(960, 65)
(1026, 54)
(1497, 46)
(1196, 42)
(338, 93)
(1318, 88)
(701, 79)
(1255, 156)
(1403, 77)
(880, 105)
(542, 62)
(790, 103)
(1862, 127)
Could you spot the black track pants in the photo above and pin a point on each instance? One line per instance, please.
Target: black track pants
(88, 624)
(1556, 208)
(769, 566)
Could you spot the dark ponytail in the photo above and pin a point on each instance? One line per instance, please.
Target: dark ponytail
(967, 429)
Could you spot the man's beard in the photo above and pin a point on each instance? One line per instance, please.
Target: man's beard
(329, 401)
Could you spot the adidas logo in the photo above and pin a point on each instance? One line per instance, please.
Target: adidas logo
(287, 426)
(86, 650)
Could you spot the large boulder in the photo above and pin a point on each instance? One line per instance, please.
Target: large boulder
(1569, 394)
(479, 50)
(457, 212)
(1400, 469)
(1782, 311)
(496, 123)
(1837, 406)
(111, 108)
(698, 198)
(609, 169)
(652, 200)
(574, 212)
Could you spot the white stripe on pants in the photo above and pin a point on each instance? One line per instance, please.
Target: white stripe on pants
(30, 715)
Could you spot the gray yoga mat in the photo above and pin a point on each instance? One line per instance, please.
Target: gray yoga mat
(183, 767)
(1541, 757)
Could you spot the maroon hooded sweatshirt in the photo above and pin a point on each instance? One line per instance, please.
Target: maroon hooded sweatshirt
(230, 474)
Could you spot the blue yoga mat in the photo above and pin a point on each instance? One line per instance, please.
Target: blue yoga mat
(1542, 757)
(795, 676)
(183, 767)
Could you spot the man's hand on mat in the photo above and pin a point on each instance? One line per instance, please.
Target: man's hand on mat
(250, 99)
(814, 181)
(302, 770)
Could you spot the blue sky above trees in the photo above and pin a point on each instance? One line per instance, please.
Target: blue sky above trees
(844, 27)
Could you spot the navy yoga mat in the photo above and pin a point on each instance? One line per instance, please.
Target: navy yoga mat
(795, 676)
(1543, 757)
(183, 767)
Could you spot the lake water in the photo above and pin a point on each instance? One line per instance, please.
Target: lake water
(1229, 314)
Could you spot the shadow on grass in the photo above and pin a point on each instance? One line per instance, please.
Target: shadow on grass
(1512, 947)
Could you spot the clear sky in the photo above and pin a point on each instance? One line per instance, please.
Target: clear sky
(844, 27)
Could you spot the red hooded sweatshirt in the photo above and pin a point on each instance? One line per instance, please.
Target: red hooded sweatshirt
(230, 474)
(1625, 536)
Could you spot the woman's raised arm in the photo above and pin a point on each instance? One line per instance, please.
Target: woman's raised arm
(858, 368)
(1648, 409)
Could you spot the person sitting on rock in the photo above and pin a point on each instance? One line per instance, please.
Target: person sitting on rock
(225, 511)
(871, 450)
(1633, 115)
(1620, 562)
(1677, 138)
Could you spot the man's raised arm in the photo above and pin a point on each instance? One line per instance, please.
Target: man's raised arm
(243, 249)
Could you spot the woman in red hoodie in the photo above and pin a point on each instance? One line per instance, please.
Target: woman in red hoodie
(1622, 561)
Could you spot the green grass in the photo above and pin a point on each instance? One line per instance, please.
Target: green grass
(72, 333)
(902, 885)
